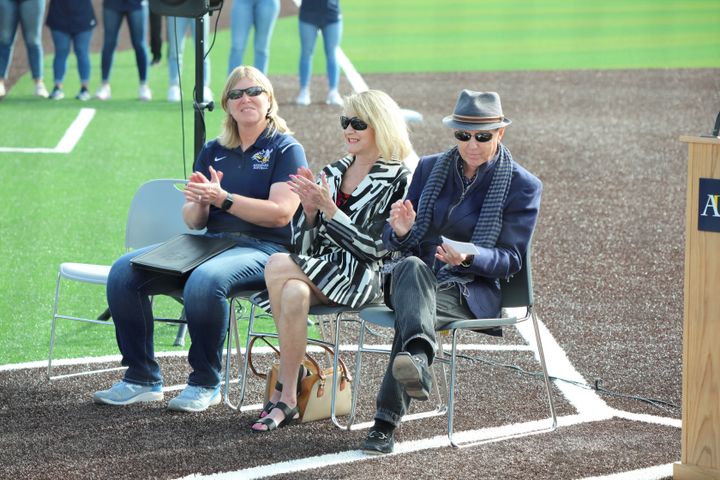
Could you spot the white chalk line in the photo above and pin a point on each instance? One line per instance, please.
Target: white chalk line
(67, 143)
(258, 350)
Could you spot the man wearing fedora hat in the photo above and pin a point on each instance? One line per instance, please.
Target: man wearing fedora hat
(475, 193)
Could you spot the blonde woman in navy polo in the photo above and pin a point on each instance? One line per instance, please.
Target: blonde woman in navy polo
(238, 190)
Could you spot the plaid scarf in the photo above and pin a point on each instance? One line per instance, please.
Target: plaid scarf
(489, 223)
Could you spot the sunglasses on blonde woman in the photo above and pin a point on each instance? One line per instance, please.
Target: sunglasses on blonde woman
(355, 122)
(253, 91)
(481, 137)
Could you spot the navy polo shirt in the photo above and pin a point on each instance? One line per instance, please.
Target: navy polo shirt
(251, 173)
(71, 16)
(319, 12)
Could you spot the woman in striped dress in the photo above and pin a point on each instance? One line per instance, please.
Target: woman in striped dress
(337, 236)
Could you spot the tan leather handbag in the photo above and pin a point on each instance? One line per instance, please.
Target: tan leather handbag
(315, 393)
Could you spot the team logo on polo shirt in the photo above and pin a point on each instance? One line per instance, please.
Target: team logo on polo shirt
(261, 160)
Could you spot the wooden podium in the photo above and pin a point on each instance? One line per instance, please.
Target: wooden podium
(700, 455)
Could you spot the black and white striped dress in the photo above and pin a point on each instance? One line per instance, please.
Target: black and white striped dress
(342, 256)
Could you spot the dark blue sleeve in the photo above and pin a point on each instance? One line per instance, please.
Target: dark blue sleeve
(292, 157)
(203, 160)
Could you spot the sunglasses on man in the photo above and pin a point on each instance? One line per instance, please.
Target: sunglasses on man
(355, 122)
(481, 137)
(237, 93)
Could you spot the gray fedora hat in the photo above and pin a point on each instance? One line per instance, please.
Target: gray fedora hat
(477, 111)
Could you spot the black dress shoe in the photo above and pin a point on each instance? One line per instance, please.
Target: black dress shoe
(413, 373)
(378, 442)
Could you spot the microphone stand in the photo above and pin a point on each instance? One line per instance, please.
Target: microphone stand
(199, 106)
(199, 103)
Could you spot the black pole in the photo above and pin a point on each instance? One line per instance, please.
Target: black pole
(199, 84)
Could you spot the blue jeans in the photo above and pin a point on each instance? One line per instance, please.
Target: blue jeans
(245, 14)
(205, 292)
(81, 43)
(331, 39)
(176, 29)
(137, 21)
(28, 13)
(418, 304)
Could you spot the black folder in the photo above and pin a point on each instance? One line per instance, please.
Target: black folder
(182, 253)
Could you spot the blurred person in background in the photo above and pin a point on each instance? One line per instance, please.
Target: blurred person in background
(177, 27)
(246, 14)
(136, 14)
(155, 37)
(71, 23)
(319, 16)
(29, 15)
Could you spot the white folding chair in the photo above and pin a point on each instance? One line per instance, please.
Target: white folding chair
(154, 216)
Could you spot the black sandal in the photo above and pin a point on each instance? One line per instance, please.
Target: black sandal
(270, 405)
(302, 373)
(272, 424)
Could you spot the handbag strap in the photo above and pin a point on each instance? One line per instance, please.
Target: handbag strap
(313, 363)
(341, 362)
(250, 358)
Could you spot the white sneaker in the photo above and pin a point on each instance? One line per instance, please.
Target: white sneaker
(173, 93)
(57, 94)
(144, 93)
(195, 399)
(40, 90)
(207, 95)
(334, 98)
(103, 93)
(83, 95)
(124, 393)
(303, 97)
(3, 92)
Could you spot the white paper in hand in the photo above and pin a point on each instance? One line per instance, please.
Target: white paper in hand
(461, 247)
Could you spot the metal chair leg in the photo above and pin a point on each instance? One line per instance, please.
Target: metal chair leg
(233, 330)
(543, 364)
(453, 374)
(52, 327)
(182, 330)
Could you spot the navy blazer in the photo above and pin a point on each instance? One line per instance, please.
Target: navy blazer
(455, 218)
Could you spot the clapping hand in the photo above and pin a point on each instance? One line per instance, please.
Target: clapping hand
(402, 217)
(203, 191)
(313, 197)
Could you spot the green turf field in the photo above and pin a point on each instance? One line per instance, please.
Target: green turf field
(59, 207)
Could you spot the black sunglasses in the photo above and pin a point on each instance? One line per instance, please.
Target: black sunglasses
(253, 91)
(481, 137)
(355, 122)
